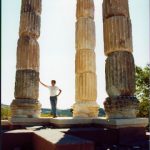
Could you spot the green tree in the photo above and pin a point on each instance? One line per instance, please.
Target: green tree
(5, 113)
(143, 89)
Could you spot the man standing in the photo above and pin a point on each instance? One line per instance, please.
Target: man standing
(54, 92)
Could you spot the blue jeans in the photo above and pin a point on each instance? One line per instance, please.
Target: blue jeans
(53, 101)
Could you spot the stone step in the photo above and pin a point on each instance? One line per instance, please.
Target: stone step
(85, 138)
(43, 140)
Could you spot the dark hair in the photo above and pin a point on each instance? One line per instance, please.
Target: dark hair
(53, 81)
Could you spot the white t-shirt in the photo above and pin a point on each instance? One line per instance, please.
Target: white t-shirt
(53, 90)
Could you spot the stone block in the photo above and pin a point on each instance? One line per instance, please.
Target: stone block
(67, 122)
(25, 108)
(121, 123)
(55, 140)
(31, 6)
(85, 34)
(44, 140)
(17, 140)
(120, 74)
(86, 86)
(121, 107)
(115, 8)
(5, 123)
(85, 61)
(85, 8)
(117, 34)
(30, 24)
(27, 84)
(33, 123)
(85, 109)
(27, 54)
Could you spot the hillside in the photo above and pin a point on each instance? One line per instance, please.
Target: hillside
(68, 112)
(4, 105)
(60, 112)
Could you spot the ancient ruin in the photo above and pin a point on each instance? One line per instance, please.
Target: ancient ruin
(120, 129)
(120, 71)
(120, 68)
(85, 65)
(26, 102)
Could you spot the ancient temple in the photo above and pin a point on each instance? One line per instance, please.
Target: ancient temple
(120, 67)
(120, 129)
(26, 94)
(85, 65)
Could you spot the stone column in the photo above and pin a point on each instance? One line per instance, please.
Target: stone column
(26, 94)
(85, 66)
(119, 68)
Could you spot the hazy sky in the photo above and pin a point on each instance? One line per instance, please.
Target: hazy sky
(57, 46)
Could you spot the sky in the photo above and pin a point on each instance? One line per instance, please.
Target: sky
(57, 47)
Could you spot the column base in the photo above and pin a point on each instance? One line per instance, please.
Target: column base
(121, 107)
(85, 109)
(25, 108)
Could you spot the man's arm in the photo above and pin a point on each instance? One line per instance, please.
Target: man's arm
(59, 92)
(43, 84)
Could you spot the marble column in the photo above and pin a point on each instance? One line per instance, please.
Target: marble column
(85, 65)
(26, 93)
(120, 67)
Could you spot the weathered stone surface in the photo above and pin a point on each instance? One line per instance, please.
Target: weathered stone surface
(25, 108)
(120, 74)
(85, 34)
(121, 123)
(43, 139)
(85, 61)
(121, 107)
(27, 54)
(83, 109)
(27, 73)
(33, 122)
(85, 69)
(120, 68)
(85, 8)
(27, 84)
(117, 34)
(30, 24)
(86, 87)
(31, 6)
(115, 8)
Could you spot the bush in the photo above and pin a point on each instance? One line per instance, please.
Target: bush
(45, 115)
(5, 113)
(142, 90)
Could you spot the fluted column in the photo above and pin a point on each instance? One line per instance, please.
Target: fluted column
(117, 33)
(119, 68)
(26, 93)
(120, 77)
(85, 66)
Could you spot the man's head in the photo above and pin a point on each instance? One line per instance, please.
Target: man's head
(53, 82)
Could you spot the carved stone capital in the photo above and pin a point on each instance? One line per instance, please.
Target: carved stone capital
(121, 107)
(85, 109)
(26, 108)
